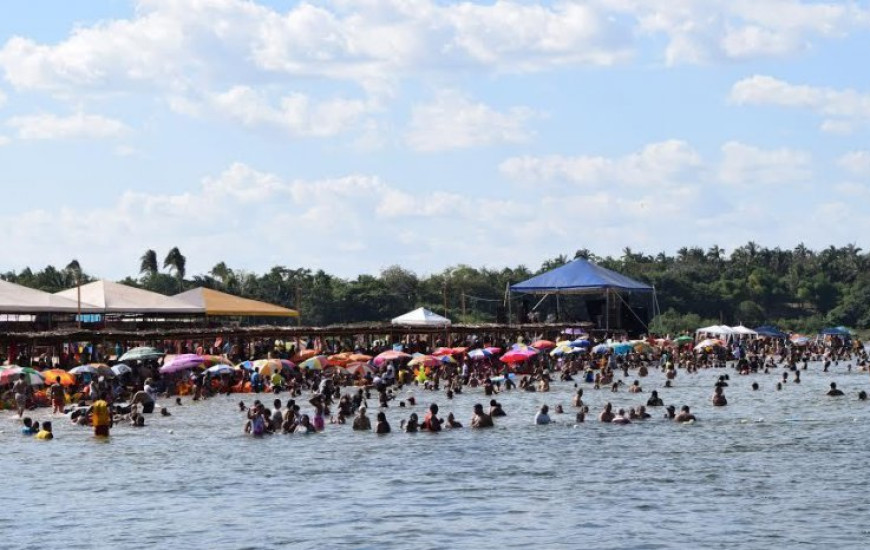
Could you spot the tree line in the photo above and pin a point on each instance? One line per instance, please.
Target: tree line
(798, 288)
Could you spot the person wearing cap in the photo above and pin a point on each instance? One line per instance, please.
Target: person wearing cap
(834, 392)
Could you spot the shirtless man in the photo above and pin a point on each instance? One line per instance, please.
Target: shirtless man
(684, 415)
(607, 414)
(480, 419)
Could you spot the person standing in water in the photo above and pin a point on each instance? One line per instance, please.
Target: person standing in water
(101, 418)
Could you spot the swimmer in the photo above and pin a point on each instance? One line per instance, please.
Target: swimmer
(654, 400)
(834, 392)
(718, 398)
(45, 432)
(607, 414)
(431, 422)
(412, 425)
(178, 402)
(755, 386)
(495, 409)
(620, 418)
(635, 387)
(685, 415)
(165, 412)
(361, 422)
(543, 418)
(480, 419)
(28, 428)
(451, 422)
(382, 427)
(862, 395)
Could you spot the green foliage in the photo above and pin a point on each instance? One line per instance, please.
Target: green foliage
(799, 289)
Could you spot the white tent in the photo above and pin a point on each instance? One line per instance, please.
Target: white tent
(112, 297)
(21, 299)
(745, 331)
(421, 317)
(716, 330)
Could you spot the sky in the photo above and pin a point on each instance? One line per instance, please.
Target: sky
(351, 135)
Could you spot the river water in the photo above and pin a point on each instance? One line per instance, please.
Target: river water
(773, 469)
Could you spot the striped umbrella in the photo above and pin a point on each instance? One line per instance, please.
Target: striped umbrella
(318, 362)
(10, 374)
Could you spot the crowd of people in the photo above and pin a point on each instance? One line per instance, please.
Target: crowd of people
(307, 401)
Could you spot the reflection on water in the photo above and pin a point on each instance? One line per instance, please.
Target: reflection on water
(771, 470)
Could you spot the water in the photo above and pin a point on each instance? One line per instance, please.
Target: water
(771, 470)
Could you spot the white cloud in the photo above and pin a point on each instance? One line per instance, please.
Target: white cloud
(703, 31)
(295, 113)
(453, 121)
(841, 107)
(657, 163)
(2, 98)
(856, 162)
(4, 140)
(745, 165)
(79, 125)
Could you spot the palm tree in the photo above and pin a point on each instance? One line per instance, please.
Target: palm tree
(148, 264)
(176, 262)
(221, 272)
(73, 271)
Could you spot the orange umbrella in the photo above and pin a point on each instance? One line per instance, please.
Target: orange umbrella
(443, 351)
(459, 351)
(339, 359)
(51, 376)
(359, 357)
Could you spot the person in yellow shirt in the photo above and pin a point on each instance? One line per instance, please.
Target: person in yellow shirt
(45, 432)
(277, 382)
(101, 418)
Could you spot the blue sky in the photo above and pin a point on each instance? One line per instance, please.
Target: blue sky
(352, 135)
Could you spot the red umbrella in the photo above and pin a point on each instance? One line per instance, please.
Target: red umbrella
(544, 344)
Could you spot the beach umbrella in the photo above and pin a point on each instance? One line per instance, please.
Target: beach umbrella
(358, 367)
(121, 369)
(141, 354)
(390, 355)
(799, 340)
(601, 349)
(339, 359)
(318, 362)
(217, 370)
(641, 347)
(708, 343)
(32, 377)
(183, 362)
(581, 343)
(543, 344)
(680, 340)
(267, 367)
(85, 369)
(103, 369)
(478, 354)
(493, 350)
(51, 376)
(356, 357)
(459, 350)
(424, 360)
(447, 360)
(621, 348)
(304, 354)
(518, 355)
(561, 350)
(442, 351)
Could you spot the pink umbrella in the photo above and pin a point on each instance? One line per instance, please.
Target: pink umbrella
(390, 355)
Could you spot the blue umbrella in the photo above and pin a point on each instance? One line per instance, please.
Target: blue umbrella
(622, 348)
(600, 348)
(581, 343)
(220, 369)
(121, 368)
(479, 354)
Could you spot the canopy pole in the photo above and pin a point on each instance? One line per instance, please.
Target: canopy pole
(507, 294)
(607, 309)
(558, 308)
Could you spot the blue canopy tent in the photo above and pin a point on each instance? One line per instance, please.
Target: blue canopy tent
(770, 332)
(583, 277)
(836, 331)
